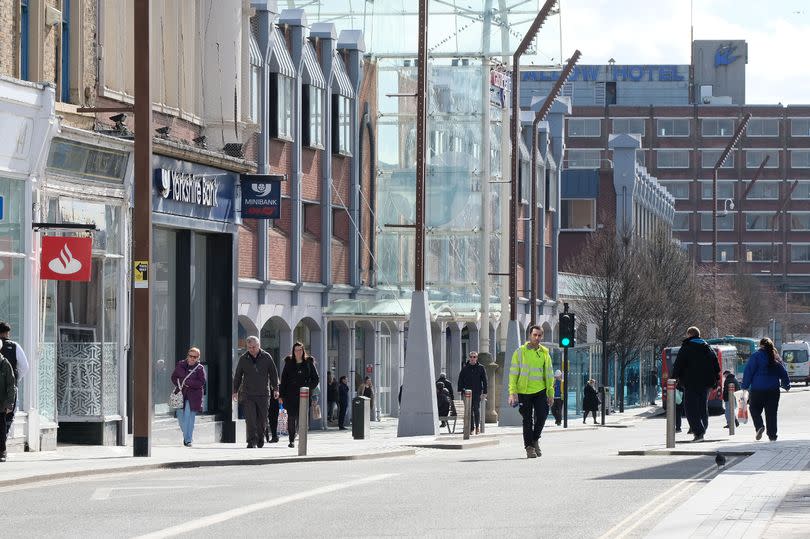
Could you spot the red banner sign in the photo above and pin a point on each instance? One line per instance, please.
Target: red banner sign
(65, 259)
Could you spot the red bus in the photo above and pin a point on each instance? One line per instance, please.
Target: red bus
(726, 358)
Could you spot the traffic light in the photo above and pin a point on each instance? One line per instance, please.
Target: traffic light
(567, 330)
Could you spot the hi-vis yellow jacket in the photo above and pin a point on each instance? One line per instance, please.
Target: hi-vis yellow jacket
(531, 371)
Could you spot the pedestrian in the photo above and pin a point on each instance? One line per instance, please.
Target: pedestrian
(727, 381)
(590, 401)
(8, 396)
(556, 408)
(189, 378)
(473, 376)
(697, 370)
(19, 364)
(531, 380)
(343, 402)
(257, 376)
(763, 375)
(449, 386)
(273, 411)
(442, 401)
(368, 392)
(680, 411)
(299, 371)
(331, 397)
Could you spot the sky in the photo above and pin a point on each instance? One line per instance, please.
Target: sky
(657, 32)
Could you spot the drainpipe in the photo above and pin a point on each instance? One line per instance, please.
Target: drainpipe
(556, 122)
(352, 45)
(366, 127)
(326, 37)
(265, 12)
(294, 22)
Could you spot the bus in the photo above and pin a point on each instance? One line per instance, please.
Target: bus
(745, 347)
(795, 355)
(726, 359)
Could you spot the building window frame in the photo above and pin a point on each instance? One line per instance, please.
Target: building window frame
(754, 157)
(804, 123)
(773, 248)
(761, 122)
(795, 152)
(725, 223)
(64, 54)
(675, 194)
(567, 212)
(341, 125)
(583, 158)
(586, 129)
(628, 130)
(673, 152)
(805, 259)
(797, 215)
(763, 190)
(805, 184)
(716, 129)
(680, 226)
(753, 218)
(721, 247)
(281, 99)
(25, 33)
(675, 131)
(725, 189)
(713, 154)
(312, 117)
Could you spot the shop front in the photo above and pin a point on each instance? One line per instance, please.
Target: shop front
(193, 304)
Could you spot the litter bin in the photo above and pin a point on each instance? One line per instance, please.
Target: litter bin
(361, 415)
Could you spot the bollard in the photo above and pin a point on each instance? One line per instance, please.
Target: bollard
(303, 420)
(732, 405)
(467, 413)
(671, 413)
(483, 412)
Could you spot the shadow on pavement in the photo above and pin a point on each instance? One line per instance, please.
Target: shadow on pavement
(672, 470)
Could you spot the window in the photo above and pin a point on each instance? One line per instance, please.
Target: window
(802, 191)
(800, 253)
(64, 51)
(341, 124)
(283, 104)
(799, 221)
(78, 159)
(762, 127)
(583, 158)
(717, 127)
(681, 221)
(800, 158)
(24, 39)
(726, 252)
(764, 190)
(761, 252)
(312, 119)
(754, 158)
(641, 157)
(578, 214)
(584, 127)
(725, 189)
(636, 126)
(672, 158)
(708, 158)
(673, 127)
(761, 221)
(678, 189)
(724, 222)
(800, 127)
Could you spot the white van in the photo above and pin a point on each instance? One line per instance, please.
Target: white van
(796, 356)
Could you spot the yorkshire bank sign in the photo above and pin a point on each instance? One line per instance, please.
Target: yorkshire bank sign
(198, 189)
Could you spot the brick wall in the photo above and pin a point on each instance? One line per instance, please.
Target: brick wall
(279, 161)
(247, 249)
(340, 262)
(311, 174)
(367, 94)
(279, 255)
(310, 259)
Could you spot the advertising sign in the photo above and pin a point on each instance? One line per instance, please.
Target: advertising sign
(65, 259)
(261, 196)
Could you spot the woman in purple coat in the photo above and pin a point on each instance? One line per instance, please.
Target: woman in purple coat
(189, 376)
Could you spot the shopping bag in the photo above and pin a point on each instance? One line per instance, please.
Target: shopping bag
(742, 409)
(282, 421)
(678, 397)
(316, 411)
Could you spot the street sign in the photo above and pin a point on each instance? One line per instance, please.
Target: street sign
(65, 258)
(140, 274)
(261, 196)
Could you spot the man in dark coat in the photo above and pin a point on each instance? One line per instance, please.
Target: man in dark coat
(257, 377)
(343, 402)
(473, 376)
(8, 396)
(19, 364)
(331, 396)
(697, 370)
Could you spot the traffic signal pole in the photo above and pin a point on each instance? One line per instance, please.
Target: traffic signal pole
(565, 388)
(568, 327)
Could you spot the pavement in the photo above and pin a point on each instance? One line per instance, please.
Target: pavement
(69, 461)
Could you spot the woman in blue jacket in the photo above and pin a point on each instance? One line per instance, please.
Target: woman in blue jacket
(764, 373)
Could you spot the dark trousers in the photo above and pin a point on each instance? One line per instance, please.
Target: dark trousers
(679, 413)
(292, 417)
(695, 403)
(3, 434)
(475, 416)
(255, 410)
(534, 409)
(10, 418)
(769, 400)
(587, 413)
(272, 417)
(342, 407)
(556, 411)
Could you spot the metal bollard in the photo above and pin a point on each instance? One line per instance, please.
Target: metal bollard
(671, 413)
(303, 420)
(467, 412)
(483, 412)
(732, 404)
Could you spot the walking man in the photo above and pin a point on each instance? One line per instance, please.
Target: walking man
(256, 374)
(473, 376)
(19, 364)
(531, 381)
(8, 396)
(331, 396)
(697, 370)
(343, 402)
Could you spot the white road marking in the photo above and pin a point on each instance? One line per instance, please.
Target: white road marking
(218, 518)
(103, 493)
(625, 526)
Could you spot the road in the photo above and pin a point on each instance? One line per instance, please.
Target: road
(580, 487)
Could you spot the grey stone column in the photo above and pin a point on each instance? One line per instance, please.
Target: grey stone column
(454, 360)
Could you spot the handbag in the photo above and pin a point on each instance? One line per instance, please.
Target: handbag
(316, 410)
(282, 420)
(742, 409)
(176, 400)
(678, 397)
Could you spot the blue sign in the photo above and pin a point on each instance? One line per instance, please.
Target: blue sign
(2, 206)
(194, 191)
(724, 55)
(261, 196)
(631, 73)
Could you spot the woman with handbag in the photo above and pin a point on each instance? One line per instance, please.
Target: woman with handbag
(188, 380)
(299, 371)
(764, 374)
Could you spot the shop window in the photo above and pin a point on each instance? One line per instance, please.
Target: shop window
(717, 127)
(672, 127)
(312, 119)
(341, 125)
(672, 158)
(754, 158)
(800, 127)
(577, 214)
(281, 99)
(630, 126)
(708, 159)
(762, 127)
(584, 127)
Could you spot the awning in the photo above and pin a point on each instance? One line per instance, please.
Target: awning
(280, 60)
(255, 52)
(342, 84)
(311, 71)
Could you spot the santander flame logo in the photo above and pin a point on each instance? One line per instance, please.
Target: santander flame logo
(65, 264)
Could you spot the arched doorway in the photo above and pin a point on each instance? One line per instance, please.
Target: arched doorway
(276, 339)
(245, 328)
